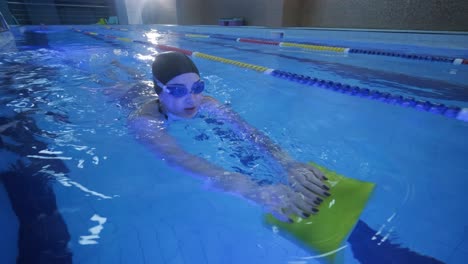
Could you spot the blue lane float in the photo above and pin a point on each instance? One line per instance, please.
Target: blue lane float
(456, 61)
(409, 102)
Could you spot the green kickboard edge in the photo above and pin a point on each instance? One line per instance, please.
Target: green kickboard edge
(326, 231)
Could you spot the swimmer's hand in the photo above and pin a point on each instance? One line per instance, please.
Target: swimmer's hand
(278, 199)
(282, 201)
(307, 180)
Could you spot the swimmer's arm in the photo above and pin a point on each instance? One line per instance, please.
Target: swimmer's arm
(154, 136)
(278, 199)
(136, 75)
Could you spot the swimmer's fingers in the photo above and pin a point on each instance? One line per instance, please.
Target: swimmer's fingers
(316, 179)
(296, 204)
(304, 172)
(317, 173)
(302, 208)
(280, 215)
(320, 190)
(311, 180)
(309, 195)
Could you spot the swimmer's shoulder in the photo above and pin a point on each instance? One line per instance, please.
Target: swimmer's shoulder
(209, 101)
(149, 110)
(211, 105)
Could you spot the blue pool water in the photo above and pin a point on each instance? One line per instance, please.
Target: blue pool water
(64, 106)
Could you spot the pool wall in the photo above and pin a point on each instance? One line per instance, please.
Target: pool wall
(6, 38)
(386, 14)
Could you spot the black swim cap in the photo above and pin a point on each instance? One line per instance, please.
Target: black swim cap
(168, 65)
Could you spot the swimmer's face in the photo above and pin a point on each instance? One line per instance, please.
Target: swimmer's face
(186, 106)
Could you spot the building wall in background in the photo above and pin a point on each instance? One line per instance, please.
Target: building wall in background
(189, 12)
(447, 15)
(6, 12)
(293, 13)
(158, 11)
(43, 14)
(255, 12)
(204, 12)
(121, 11)
(149, 11)
(54, 12)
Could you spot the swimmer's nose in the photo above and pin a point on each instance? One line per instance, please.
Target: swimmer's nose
(190, 98)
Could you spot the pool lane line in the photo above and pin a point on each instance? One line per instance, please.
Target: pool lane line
(384, 97)
(232, 62)
(327, 48)
(345, 50)
(254, 41)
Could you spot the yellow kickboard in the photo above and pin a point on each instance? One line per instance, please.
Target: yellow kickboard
(326, 231)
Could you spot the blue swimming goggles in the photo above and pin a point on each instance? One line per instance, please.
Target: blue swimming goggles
(180, 90)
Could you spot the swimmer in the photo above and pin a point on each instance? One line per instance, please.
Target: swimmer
(179, 88)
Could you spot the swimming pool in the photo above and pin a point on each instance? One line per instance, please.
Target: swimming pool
(64, 108)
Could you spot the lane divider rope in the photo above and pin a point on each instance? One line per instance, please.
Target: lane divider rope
(409, 102)
(317, 47)
(227, 61)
